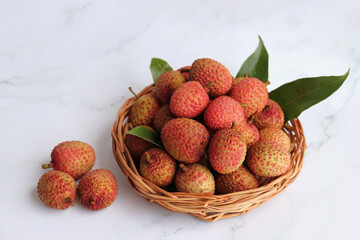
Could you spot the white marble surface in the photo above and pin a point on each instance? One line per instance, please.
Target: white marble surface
(64, 71)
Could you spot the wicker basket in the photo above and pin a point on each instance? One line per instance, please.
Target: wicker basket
(205, 207)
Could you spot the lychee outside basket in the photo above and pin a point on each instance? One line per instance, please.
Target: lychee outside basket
(205, 207)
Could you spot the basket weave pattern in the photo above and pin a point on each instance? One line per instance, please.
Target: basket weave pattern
(205, 207)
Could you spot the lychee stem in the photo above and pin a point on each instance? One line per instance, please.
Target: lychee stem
(68, 200)
(147, 157)
(246, 75)
(244, 105)
(252, 117)
(132, 91)
(209, 85)
(183, 167)
(45, 166)
(267, 82)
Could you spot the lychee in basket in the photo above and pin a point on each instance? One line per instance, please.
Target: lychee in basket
(202, 206)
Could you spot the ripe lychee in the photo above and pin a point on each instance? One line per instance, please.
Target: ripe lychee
(252, 94)
(137, 145)
(97, 189)
(249, 132)
(162, 116)
(144, 109)
(194, 178)
(227, 151)
(268, 159)
(185, 139)
(167, 83)
(222, 113)
(239, 180)
(189, 101)
(57, 189)
(273, 134)
(157, 166)
(73, 157)
(213, 74)
(271, 116)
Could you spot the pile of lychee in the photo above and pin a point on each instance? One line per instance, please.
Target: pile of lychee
(220, 134)
(71, 161)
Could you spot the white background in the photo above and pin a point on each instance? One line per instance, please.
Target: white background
(65, 67)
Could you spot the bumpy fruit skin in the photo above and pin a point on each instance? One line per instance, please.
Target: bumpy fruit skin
(239, 180)
(227, 151)
(185, 139)
(158, 167)
(222, 112)
(213, 74)
(252, 94)
(189, 101)
(57, 189)
(162, 116)
(273, 134)
(73, 157)
(98, 189)
(144, 109)
(194, 178)
(268, 159)
(167, 83)
(185, 72)
(249, 132)
(137, 146)
(271, 116)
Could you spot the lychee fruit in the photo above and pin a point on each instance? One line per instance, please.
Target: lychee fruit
(73, 157)
(252, 94)
(137, 145)
(185, 139)
(268, 159)
(57, 189)
(273, 134)
(227, 151)
(185, 71)
(157, 166)
(213, 74)
(248, 131)
(162, 116)
(167, 83)
(271, 116)
(189, 101)
(222, 112)
(97, 189)
(144, 109)
(194, 178)
(239, 180)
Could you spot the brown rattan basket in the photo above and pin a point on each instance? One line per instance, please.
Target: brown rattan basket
(205, 207)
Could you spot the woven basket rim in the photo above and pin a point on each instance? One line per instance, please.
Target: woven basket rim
(203, 206)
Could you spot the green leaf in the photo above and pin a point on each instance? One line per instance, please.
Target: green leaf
(297, 96)
(147, 134)
(158, 67)
(257, 64)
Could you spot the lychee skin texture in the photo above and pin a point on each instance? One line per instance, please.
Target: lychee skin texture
(144, 109)
(222, 112)
(276, 135)
(227, 151)
(73, 157)
(252, 94)
(137, 146)
(239, 180)
(189, 101)
(185, 139)
(57, 189)
(271, 116)
(97, 189)
(185, 72)
(268, 159)
(158, 167)
(194, 178)
(206, 71)
(167, 83)
(162, 116)
(249, 132)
